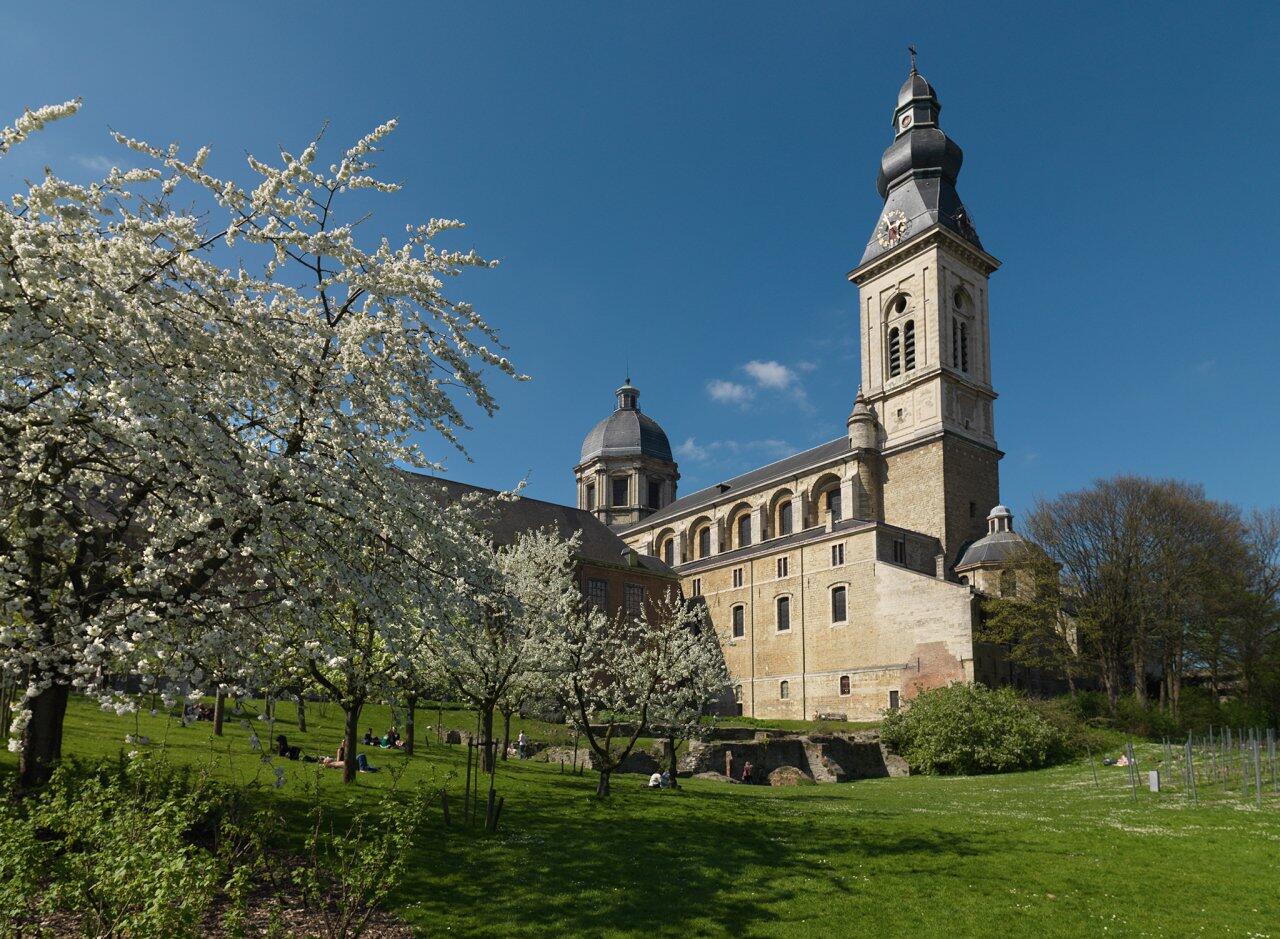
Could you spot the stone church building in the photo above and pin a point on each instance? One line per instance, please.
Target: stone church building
(845, 579)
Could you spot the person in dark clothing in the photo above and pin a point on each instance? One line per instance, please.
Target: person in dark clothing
(283, 748)
(369, 739)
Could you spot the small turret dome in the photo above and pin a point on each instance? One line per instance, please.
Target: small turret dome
(627, 432)
(1000, 544)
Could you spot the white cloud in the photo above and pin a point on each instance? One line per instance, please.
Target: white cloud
(729, 392)
(690, 450)
(696, 452)
(770, 374)
(97, 162)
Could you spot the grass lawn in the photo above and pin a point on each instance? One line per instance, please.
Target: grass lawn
(1041, 853)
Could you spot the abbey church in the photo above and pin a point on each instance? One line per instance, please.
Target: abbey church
(845, 579)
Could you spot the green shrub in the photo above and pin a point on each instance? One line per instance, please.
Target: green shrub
(969, 729)
(125, 862)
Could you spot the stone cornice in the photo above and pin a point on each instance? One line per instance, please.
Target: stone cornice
(933, 237)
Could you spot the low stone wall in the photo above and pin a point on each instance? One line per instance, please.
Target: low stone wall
(824, 757)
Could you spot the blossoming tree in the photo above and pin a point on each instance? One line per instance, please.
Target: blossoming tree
(183, 389)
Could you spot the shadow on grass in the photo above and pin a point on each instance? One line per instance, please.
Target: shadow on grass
(694, 861)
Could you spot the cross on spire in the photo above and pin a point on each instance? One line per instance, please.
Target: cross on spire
(912, 50)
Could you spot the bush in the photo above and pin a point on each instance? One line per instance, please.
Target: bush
(969, 729)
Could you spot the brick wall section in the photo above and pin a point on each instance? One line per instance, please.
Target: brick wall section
(617, 578)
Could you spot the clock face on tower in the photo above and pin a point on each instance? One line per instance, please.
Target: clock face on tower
(892, 228)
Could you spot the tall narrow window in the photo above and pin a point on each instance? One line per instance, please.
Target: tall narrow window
(704, 542)
(633, 600)
(899, 551)
(697, 586)
(784, 518)
(955, 342)
(964, 347)
(739, 621)
(893, 700)
(782, 567)
(669, 552)
(844, 684)
(784, 689)
(895, 353)
(737, 577)
(591, 495)
(838, 612)
(744, 530)
(620, 490)
(837, 554)
(784, 614)
(655, 493)
(598, 594)
(833, 504)
(909, 345)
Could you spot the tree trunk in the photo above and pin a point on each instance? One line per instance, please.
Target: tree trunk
(219, 711)
(42, 738)
(602, 787)
(353, 722)
(671, 761)
(486, 738)
(411, 705)
(302, 714)
(506, 733)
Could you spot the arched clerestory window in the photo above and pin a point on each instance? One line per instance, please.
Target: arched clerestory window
(744, 530)
(784, 518)
(669, 552)
(704, 542)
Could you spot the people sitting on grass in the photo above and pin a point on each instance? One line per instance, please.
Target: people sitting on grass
(392, 739)
(655, 781)
(369, 739)
(339, 760)
(284, 750)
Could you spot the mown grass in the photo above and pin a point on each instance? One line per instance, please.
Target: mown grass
(1039, 853)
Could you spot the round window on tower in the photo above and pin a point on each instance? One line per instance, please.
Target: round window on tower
(959, 299)
(898, 305)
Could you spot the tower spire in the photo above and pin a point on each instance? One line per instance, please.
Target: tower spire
(912, 50)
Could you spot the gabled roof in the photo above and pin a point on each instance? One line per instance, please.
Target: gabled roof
(740, 485)
(507, 519)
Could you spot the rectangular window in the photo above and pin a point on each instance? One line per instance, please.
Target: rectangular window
(633, 600)
(655, 493)
(704, 543)
(899, 551)
(739, 622)
(620, 490)
(782, 567)
(784, 614)
(598, 594)
(838, 612)
(784, 689)
(591, 496)
(844, 684)
(697, 586)
(837, 555)
(893, 700)
(784, 519)
(737, 577)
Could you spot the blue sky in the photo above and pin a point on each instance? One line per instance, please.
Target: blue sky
(681, 189)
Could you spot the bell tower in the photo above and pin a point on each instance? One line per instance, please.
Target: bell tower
(925, 337)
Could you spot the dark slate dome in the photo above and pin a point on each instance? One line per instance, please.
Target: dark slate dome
(1000, 544)
(627, 432)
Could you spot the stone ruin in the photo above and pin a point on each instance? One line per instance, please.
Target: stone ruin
(823, 757)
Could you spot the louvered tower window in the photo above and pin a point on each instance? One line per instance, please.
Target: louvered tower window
(909, 345)
(895, 353)
(964, 347)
